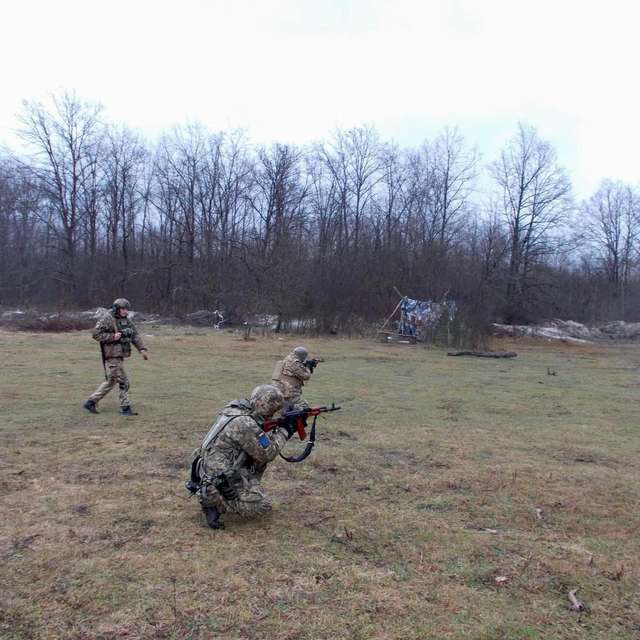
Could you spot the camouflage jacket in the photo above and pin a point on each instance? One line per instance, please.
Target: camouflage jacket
(237, 431)
(291, 373)
(105, 329)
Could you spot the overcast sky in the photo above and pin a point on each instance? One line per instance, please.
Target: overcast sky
(293, 70)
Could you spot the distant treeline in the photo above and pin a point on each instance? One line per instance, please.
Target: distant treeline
(206, 220)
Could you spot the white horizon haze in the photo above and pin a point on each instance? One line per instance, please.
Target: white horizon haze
(294, 71)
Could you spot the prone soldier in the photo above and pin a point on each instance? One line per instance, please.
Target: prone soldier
(116, 333)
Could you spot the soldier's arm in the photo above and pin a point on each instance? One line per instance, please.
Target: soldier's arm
(104, 331)
(298, 370)
(137, 340)
(258, 445)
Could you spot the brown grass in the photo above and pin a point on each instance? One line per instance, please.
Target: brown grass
(415, 518)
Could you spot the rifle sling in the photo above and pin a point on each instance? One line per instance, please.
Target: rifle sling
(104, 362)
(308, 449)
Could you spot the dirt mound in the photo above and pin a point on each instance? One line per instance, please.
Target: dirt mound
(32, 320)
(204, 318)
(571, 332)
(619, 330)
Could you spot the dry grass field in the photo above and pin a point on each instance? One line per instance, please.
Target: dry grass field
(450, 498)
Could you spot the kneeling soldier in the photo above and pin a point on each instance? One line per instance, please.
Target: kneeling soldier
(227, 468)
(116, 333)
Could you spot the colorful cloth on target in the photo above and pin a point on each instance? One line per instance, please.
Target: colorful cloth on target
(417, 316)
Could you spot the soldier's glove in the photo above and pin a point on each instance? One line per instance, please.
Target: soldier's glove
(311, 364)
(289, 427)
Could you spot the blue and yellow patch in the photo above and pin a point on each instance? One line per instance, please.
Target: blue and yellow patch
(264, 441)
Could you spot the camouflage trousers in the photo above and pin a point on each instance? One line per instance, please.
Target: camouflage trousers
(115, 375)
(251, 502)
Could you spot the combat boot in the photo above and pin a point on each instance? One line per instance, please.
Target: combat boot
(213, 517)
(90, 406)
(128, 411)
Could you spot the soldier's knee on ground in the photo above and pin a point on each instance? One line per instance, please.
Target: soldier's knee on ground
(252, 504)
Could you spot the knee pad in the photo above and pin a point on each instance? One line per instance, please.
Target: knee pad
(253, 505)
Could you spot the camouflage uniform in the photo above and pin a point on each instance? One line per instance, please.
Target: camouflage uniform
(289, 376)
(114, 354)
(238, 450)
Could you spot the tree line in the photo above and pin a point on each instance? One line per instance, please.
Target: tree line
(90, 210)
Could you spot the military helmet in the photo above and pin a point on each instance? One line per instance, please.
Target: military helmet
(266, 400)
(121, 303)
(301, 353)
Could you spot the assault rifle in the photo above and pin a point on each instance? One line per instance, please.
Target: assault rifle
(126, 335)
(312, 363)
(298, 419)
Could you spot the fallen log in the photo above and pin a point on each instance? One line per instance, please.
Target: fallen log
(485, 354)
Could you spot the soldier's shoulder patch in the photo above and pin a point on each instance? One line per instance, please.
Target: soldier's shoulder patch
(264, 441)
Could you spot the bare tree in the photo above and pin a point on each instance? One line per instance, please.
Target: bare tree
(392, 202)
(612, 215)
(123, 162)
(454, 173)
(65, 140)
(321, 232)
(22, 244)
(353, 160)
(535, 196)
(278, 201)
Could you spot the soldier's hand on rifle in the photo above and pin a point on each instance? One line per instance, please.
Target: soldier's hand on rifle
(289, 427)
(311, 364)
(144, 354)
(117, 336)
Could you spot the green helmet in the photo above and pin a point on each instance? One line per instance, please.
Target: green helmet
(266, 400)
(121, 303)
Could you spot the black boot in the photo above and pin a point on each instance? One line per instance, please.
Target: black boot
(128, 411)
(213, 517)
(90, 406)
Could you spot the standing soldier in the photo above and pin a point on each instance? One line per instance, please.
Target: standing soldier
(290, 374)
(116, 332)
(227, 468)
